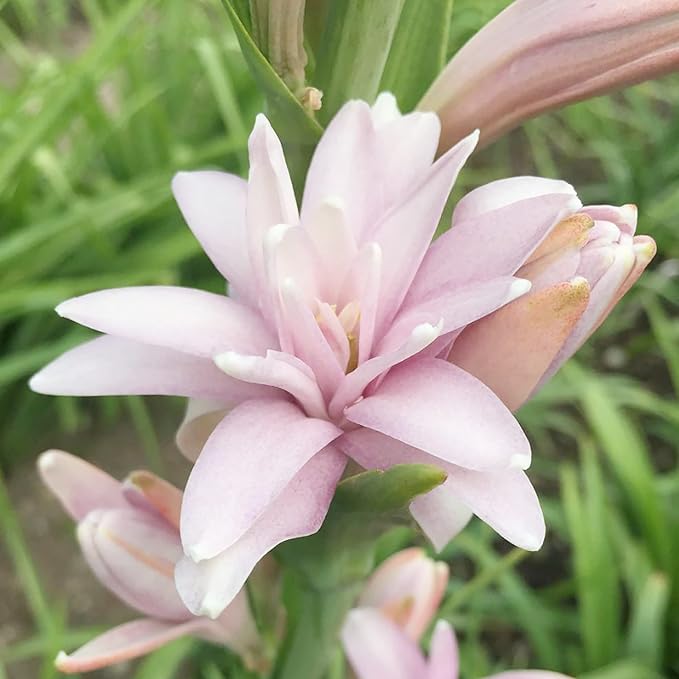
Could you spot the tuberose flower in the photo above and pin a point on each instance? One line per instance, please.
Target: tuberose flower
(538, 55)
(407, 588)
(377, 647)
(129, 535)
(332, 342)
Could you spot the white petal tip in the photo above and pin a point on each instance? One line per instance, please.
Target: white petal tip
(519, 287)
(532, 543)
(334, 202)
(426, 333)
(229, 362)
(196, 553)
(61, 661)
(48, 460)
(520, 461)
(211, 608)
(630, 214)
(275, 235)
(62, 309)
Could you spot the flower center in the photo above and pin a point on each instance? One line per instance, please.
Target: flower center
(341, 331)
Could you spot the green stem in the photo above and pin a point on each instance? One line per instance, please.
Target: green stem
(313, 632)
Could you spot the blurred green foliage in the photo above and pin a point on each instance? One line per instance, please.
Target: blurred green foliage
(101, 101)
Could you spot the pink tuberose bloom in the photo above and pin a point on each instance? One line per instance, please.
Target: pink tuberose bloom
(377, 647)
(538, 55)
(129, 535)
(407, 588)
(332, 342)
(579, 272)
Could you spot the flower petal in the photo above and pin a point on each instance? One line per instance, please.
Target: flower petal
(510, 350)
(200, 419)
(80, 486)
(277, 370)
(405, 232)
(270, 196)
(495, 229)
(454, 307)
(125, 642)
(109, 366)
(432, 405)
(133, 554)
(504, 499)
(213, 205)
(377, 647)
(247, 462)
(147, 491)
(209, 586)
(444, 661)
(192, 321)
(529, 674)
(343, 168)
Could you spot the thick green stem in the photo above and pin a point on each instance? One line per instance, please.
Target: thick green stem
(313, 632)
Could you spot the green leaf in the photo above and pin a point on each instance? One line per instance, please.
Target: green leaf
(649, 609)
(387, 491)
(355, 47)
(418, 52)
(165, 662)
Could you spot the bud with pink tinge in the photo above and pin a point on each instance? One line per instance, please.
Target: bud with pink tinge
(539, 55)
(129, 536)
(408, 588)
(378, 648)
(589, 260)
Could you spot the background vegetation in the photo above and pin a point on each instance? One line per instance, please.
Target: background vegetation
(102, 101)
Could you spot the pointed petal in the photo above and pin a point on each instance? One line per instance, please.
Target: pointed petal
(309, 342)
(355, 382)
(343, 167)
(504, 499)
(518, 213)
(624, 216)
(405, 233)
(377, 647)
(247, 462)
(110, 366)
(125, 642)
(454, 306)
(440, 515)
(510, 350)
(444, 661)
(209, 586)
(213, 205)
(520, 55)
(78, 485)
(277, 370)
(191, 321)
(200, 420)
(270, 197)
(133, 554)
(435, 406)
(604, 291)
(146, 490)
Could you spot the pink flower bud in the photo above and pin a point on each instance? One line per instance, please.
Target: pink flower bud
(538, 55)
(408, 588)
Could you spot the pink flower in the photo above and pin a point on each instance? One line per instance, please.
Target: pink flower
(129, 536)
(407, 588)
(377, 647)
(537, 55)
(587, 263)
(332, 341)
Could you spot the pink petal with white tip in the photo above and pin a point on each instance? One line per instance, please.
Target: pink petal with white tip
(444, 660)
(109, 366)
(405, 232)
(213, 205)
(246, 464)
(80, 486)
(377, 647)
(209, 586)
(125, 642)
(437, 407)
(182, 319)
